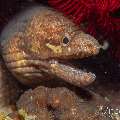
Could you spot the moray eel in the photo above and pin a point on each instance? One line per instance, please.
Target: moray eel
(38, 44)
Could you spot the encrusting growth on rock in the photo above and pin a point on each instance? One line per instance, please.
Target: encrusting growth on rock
(44, 103)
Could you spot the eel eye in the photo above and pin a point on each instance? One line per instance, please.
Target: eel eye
(66, 40)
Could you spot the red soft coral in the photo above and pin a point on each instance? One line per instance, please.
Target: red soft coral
(98, 14)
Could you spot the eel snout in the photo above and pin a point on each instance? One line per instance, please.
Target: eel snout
(84, 45)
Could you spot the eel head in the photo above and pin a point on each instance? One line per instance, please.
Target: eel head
(44, 46)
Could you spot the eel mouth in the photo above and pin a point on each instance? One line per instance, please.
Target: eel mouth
(29, 70)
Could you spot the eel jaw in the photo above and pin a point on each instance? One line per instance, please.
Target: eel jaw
(71, 74)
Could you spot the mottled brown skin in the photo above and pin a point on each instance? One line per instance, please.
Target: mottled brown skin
(39, 42)
(14, 116)
(59, 104)
(10, 90)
